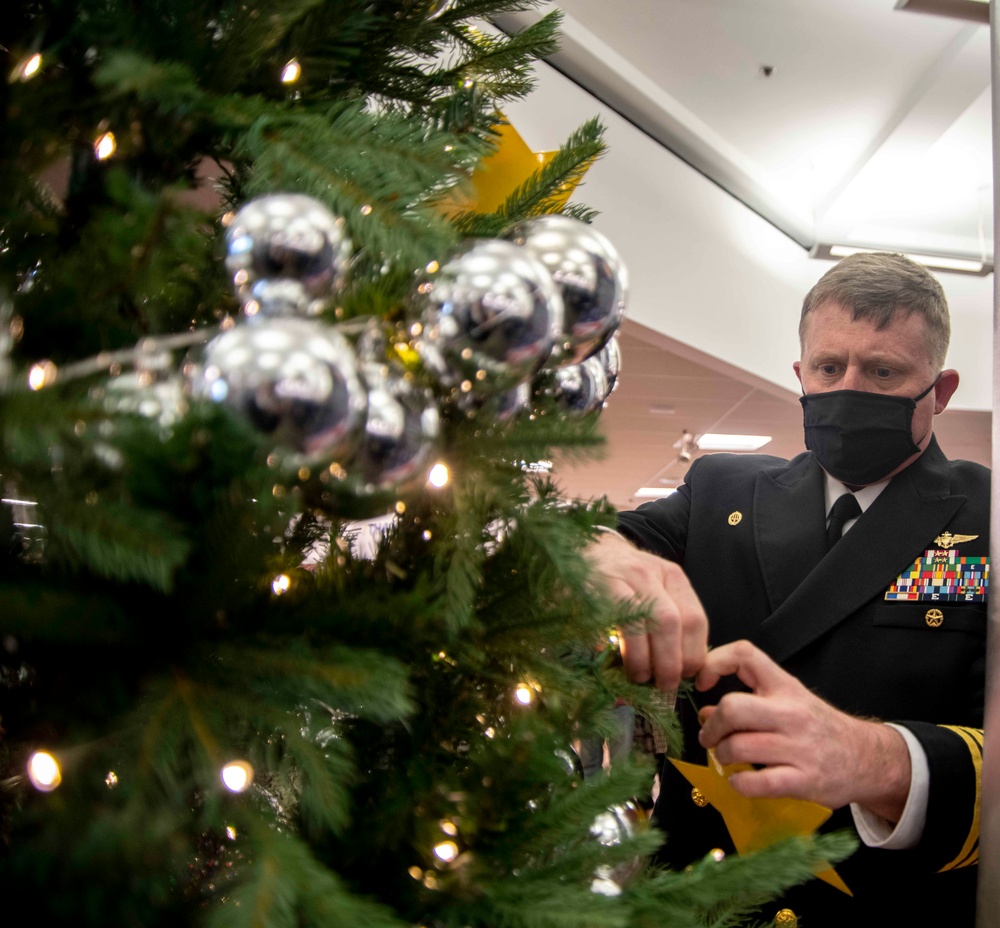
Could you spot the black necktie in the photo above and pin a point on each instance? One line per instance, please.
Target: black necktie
(844, 509)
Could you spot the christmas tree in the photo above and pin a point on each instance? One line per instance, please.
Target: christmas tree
(249, 302)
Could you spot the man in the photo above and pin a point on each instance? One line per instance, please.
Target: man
(811, 652)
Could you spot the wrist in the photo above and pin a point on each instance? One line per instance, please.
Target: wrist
(883, 782)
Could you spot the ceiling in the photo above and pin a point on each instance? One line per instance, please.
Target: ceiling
(851, 122)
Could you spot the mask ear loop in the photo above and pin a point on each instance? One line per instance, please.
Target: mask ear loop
(919, 398)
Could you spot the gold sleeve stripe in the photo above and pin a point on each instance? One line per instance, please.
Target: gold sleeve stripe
(973, 738)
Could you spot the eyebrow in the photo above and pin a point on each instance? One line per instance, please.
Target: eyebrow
(879, 360)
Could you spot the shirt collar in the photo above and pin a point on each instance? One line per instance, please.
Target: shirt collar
(865, 496)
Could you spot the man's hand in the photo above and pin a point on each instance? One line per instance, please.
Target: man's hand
(674, 645)
(807, 749)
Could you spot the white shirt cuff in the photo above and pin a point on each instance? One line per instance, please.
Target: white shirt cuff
(876, 831)
(607, 529)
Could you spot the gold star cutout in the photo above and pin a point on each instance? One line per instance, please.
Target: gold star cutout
(502, 172)
(757, 823)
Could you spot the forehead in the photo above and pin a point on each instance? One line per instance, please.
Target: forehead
(831, 327)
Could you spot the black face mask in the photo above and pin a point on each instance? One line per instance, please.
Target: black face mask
(859, 437)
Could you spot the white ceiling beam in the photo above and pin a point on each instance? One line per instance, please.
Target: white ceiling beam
(612, 79)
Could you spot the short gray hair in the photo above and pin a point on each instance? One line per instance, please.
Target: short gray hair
(875, 286)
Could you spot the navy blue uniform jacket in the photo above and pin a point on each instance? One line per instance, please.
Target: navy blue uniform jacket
(766, 576)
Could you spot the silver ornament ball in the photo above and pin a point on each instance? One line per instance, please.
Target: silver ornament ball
(619, 823)
(293, 379)
(281, 299)
(501, 407)
(610, 359)
(591, 277)
(161, 399)
(490, 317)
(286, 236)
(401, 429)
(578, 390)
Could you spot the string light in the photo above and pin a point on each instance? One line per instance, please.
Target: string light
(523, 694)
(30, 67)
(42, 374)
(449, 827)
(281, 584)
(446, 851)
(231, 832)
(439, 475)
(111, 780)
(44, 772)
(237, 775)
(291, 72)
(105, 145)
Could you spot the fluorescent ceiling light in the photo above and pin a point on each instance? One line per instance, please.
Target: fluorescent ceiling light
(935, 262)
(654, 492)
(715, 441)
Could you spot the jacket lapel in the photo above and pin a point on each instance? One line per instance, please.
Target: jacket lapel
(886, 539)
(790, 524)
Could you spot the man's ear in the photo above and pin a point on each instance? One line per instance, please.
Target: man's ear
(797, 367)
(944, 389)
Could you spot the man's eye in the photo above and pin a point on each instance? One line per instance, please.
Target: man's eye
(882, 372)
(829, 369)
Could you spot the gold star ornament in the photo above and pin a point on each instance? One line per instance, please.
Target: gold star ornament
(501, 173)
(756, 823)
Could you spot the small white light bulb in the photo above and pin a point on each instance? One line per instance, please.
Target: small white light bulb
(446, 851)
(281, 584)
(439, 475)
(42, 374)
(237, 775)
(44, 772)
(105, 145)
(31, 67)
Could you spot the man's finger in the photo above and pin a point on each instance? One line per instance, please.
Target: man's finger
(635, 656)
(738, 712)
(747, 661)
(693, 622)
(761, 748)
(769, 783)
